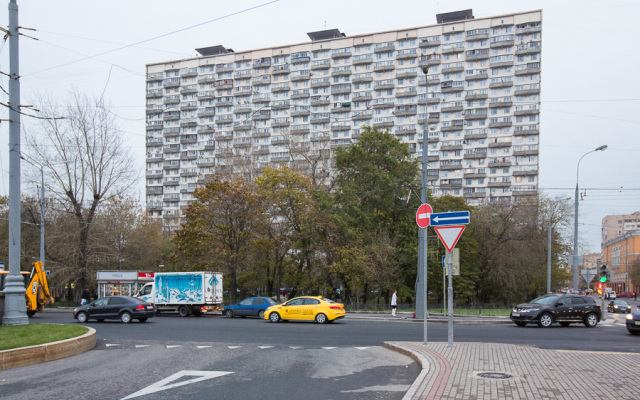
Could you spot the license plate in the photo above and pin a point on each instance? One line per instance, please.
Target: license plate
(637, 322)
(515, 314)
(149, 307)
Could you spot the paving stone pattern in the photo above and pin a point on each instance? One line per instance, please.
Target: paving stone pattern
(535, 373)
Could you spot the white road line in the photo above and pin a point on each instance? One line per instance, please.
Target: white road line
(265, 347)
(328, 348)
(203, 347)
(138, 346)
(165, 384)
(234, 347)
(173, 346)
(295, 347)
(111, 345)
(361, 348)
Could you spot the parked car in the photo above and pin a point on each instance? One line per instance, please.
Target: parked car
(124, 308)
(563, 308)
(249, 307)
(306, 308)
(625, 294)
(618, 306)
(633, 322)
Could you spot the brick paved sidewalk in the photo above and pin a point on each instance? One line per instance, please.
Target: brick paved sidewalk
(453, 373)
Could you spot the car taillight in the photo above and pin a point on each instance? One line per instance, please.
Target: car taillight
(203, 309)
(335, 307)
(140, 307)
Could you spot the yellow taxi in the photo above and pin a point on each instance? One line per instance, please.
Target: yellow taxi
(309, 308)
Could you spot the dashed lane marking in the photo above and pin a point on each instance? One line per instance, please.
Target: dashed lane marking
(112, 344)
(138, 346)
(173, 346)
(203, 347)
(265, 347)
(234, 347)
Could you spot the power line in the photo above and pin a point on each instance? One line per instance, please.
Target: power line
(156, 37)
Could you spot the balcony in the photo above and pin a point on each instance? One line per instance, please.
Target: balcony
(476, 77)
(365, 96)
(424, 43)
(501, 43)
(206, 95)
(479, 96)
(280, 105)
(384, 85)
(242, 109)
(475, 195)
(260, 133)
(224, 68)
(452, 89)
(341, 53)
(406, 74)
(301, 77)
(261, 80)
(280, 69)
(207, 112)
(405, 111)
(325, 64)
(501, 64)
(499, 104)
(320, 101)
(384, 67)
(299, 129)
(384, 47)
(408, 92)
(524, 50)
(452, 108)
(526, 92)
(499, 184)
(320, 83)
(361, 79)
(450, 147)
(224, 102)
(499, 163)
(449, 167)
(280, 88)
(360, 60)
(362, 115)
(341, 71)
(475, 156)
(300, 94)
(406, 55)
(526, 112)
(429, 61)
(280, 123)
(498, 85)
(501, 124)
(452, 50)
(475, 116)
(385, 104)
(383, 124)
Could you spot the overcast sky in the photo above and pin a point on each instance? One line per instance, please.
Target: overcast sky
(590, 87)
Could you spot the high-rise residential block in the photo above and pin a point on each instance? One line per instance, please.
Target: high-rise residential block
(478, 107)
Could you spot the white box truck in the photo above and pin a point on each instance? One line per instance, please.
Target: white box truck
(187, 293)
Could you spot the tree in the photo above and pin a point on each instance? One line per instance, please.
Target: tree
(295, 222)
(221, 225)
(82, 150)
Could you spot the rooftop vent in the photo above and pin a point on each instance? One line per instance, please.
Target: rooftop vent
(454, 16)
(213, 50)
(324, 35)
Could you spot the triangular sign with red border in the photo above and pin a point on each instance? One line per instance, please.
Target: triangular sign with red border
(449, 235)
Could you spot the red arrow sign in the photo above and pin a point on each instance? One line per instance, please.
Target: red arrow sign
(423, 216)
(449, 235)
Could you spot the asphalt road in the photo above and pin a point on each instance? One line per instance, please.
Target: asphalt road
(243, 358)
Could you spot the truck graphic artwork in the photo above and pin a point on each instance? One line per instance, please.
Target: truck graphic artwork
(179, 289)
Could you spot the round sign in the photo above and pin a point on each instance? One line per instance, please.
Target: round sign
(423, 216)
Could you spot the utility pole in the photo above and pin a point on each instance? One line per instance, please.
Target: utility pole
(15, 306)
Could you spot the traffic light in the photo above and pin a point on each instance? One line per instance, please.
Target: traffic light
(605, 274)
(600, 287)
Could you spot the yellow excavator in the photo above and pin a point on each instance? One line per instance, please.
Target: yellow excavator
(37, 293)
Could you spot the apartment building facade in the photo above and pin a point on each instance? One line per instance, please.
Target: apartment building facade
(237, 112)
(621, 254)
(618, 225)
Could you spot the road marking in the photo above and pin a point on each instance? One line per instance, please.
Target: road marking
(295, 347)
(234, 347)
(328, 348)
(203, 347)
(165, 384)
(111, 345)
(141, 345)
(265, 347)
(361, 348)
(173, 346)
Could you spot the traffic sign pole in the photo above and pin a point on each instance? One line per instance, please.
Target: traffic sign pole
(450, 302)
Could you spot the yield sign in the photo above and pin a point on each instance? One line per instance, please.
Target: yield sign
(176, 380)
(449, 235)
(423, 215)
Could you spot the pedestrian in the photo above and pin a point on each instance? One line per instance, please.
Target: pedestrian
(394, 302)
(635, 294)
(338, 296)
(85, 296)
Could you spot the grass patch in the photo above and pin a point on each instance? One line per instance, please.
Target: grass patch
(15, 336)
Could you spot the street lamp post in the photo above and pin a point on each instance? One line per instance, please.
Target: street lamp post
(421, 290)
(575, 226)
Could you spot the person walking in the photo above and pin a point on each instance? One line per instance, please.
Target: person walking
(85, 297)
(338, 296)
(394, 302)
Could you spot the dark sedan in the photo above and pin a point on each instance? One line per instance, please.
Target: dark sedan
(563, 308)
(633, 322)
(124, 308)
(249, 307)
(620, 306)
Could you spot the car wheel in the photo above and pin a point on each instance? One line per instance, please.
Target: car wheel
(228, 314)
(321, 318)
(143, 319)
(125, 317)
(521, 323)
(545, 320)
(183, 311)
(565, 323)
(261, 314)
(274, 317)
(82, 317)
(590, 320)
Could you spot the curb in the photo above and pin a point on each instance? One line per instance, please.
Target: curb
(47, 352)
(424, 363)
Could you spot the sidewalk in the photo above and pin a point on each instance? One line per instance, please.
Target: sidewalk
(504, 371)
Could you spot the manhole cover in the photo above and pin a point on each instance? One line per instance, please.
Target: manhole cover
(494, 375)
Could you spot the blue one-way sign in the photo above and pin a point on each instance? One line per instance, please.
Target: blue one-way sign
(450, 218)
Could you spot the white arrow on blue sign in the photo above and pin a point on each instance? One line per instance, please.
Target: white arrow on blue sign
(450, 218)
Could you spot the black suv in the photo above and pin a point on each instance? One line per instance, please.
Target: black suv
(563, 308)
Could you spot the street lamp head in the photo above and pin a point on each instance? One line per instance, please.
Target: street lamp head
(425, 69)
(602, 148)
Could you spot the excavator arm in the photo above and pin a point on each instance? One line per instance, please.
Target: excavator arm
(37, 293)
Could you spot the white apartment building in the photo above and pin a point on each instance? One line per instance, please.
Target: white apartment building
(238, 112)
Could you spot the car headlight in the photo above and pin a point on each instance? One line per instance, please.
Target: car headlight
(615, 306)
(75, 310)
(629, 316)
(514, 310)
